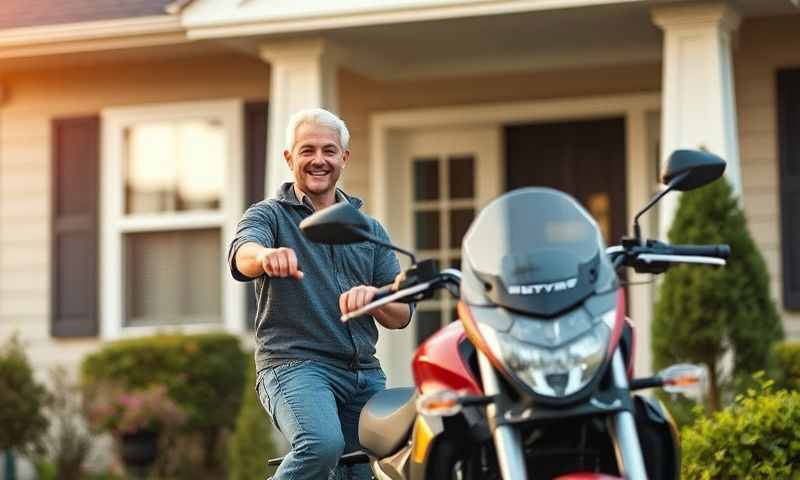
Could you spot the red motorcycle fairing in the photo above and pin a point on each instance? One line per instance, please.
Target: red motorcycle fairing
(437, 363)
(587, 476)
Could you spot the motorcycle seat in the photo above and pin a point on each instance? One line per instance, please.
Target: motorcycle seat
(386, 420)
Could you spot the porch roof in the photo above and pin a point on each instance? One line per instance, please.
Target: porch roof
(31, 13)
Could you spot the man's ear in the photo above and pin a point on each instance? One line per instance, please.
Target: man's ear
(287, 155)
(345, 158)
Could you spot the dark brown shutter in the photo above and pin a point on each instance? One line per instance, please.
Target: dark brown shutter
(74, 253)
(255, 132)
(789, 145)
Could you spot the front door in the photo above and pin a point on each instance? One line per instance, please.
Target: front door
(585, 159)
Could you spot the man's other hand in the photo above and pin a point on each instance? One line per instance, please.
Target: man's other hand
(280, 263)
(355, 298)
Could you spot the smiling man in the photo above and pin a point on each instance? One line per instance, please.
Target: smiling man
(315, 373)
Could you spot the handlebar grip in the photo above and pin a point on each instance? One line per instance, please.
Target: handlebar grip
(384, 291)
(718, 251)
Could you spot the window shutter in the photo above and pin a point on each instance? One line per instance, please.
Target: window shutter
(255, 128)
(789, 153)
(74, 192)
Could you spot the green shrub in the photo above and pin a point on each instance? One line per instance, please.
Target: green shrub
(702, 312)
(204, 374)
(758, 436)
(787, 363)
(22, 401)
(251, 443)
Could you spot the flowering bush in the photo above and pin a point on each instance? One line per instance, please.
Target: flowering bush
(142, 410)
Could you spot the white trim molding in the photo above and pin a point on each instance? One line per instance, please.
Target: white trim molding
(223, 18)
(115, 224)
(89, 36)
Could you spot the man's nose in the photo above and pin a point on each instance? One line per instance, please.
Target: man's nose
(318, 157)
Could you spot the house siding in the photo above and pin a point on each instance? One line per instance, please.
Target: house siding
(33, 99)
(765, 45)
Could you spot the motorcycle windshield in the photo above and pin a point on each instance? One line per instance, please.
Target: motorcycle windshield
(537, 251)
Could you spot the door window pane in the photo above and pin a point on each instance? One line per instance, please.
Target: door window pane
(426, 179)
(174, 166)
(462, 177)
(460, 221)
(173, 278)
(426, 225)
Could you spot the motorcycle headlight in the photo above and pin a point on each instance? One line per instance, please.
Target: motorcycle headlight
(558, 370)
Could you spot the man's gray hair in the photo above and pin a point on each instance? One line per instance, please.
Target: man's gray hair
(316, 116)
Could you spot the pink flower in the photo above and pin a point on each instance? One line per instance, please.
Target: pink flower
(125, 412)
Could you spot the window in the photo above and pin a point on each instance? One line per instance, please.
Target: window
(171, 195)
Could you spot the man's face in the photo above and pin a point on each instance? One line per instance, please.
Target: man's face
(317, 158)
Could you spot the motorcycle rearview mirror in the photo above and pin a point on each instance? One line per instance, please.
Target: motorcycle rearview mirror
(338, 224)
(342, 223)
(686, 170)
(690, 169)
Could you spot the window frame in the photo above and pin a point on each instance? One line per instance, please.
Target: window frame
(115, 223)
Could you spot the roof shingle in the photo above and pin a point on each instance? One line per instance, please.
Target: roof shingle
(32, 13)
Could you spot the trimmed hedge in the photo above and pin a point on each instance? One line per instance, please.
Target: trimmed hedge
(758, 436)
(204, 374)
(251, 444)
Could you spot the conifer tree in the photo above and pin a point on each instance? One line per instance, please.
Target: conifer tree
(704, 312)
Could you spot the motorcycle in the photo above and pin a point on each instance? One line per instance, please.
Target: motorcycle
(535, 380)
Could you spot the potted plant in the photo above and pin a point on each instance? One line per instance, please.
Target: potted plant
(136, 419)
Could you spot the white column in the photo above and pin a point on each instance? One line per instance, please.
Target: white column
(698, 103)
(302, 75)
(640, 172)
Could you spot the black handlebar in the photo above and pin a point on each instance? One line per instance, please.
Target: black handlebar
(642, 257)
(718, 251)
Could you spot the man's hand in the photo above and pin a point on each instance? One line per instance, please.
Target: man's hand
(355, 298)
(279, 263)
(392, 315)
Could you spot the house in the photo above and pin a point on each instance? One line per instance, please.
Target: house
(133, 135)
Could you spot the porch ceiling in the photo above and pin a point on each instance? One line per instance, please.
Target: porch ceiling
(607, 34)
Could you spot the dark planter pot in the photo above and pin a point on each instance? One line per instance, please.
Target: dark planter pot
(139, 450)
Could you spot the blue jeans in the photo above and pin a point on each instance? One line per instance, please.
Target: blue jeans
(316, 407)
